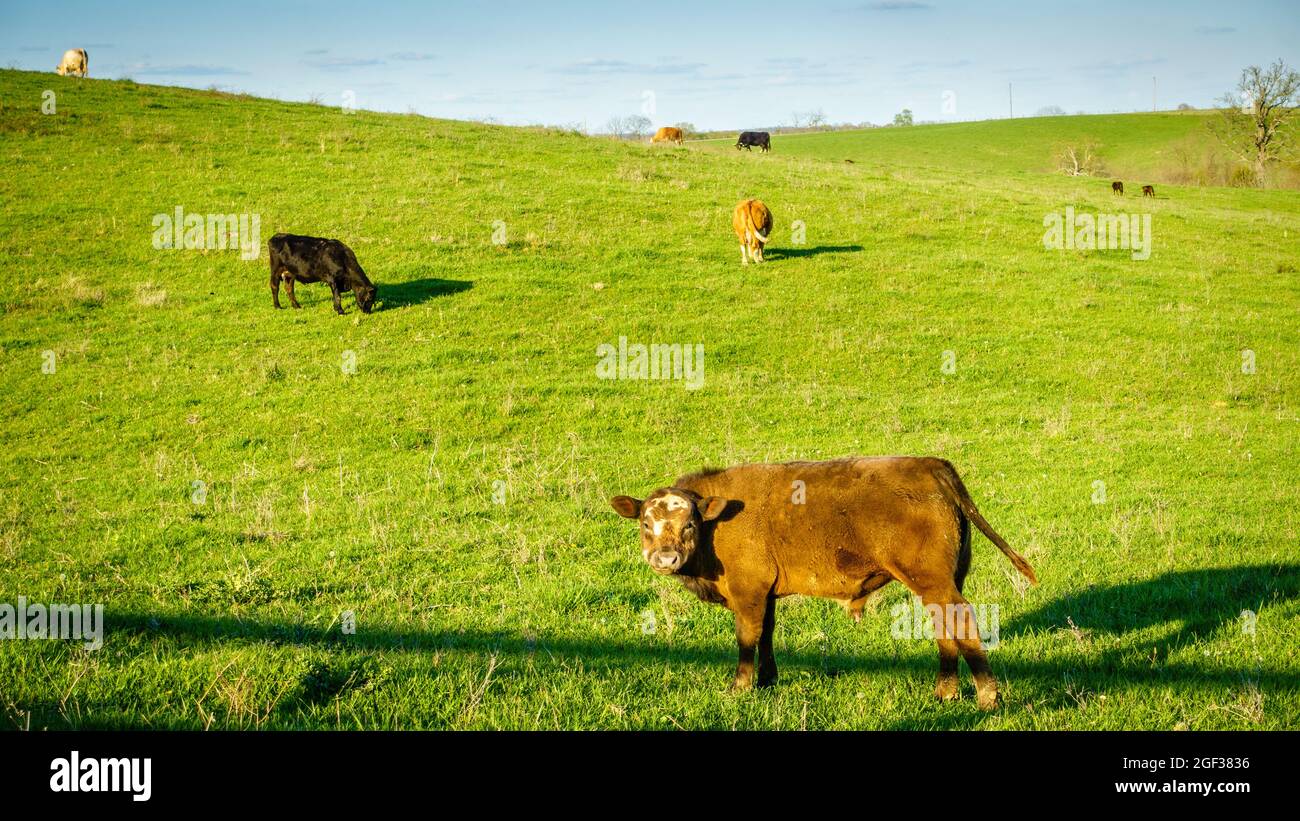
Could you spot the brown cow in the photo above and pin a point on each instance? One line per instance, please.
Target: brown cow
(1117, 187)
(668, 134)
(74, 61)
(1149, 191)
(745, 536)
(752, 223)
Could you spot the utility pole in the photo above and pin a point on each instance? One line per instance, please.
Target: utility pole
(1011, 103)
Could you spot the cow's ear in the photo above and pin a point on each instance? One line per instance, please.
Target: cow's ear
(712, 507)
(626, 506)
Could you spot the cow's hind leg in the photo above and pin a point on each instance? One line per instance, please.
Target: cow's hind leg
(275, 288)
(972, 649)
(288, 285)
(948, 685)
(955, 630)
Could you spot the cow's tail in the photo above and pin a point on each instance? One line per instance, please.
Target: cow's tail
(753, 226)
(953, 488)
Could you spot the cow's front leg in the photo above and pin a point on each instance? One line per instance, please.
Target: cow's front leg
(338, 301)
(749, 630)
(766, 658)
(275, 288)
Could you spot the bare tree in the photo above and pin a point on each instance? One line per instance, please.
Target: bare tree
(1081, 159)
(632, 127)
(1252, 116)
(638, 126)
(1050, 111)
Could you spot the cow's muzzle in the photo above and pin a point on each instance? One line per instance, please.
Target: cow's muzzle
(666, 561)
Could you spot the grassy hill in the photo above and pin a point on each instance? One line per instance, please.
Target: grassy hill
(1173, 147)
(203, 465)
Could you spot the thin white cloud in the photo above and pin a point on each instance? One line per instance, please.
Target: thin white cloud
(613, 67)
(897, 5)
(150, 70)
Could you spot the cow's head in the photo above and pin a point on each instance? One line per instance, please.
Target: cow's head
(365, 295)
(671, 523)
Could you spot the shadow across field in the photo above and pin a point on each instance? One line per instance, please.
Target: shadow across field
(416, 291)
(796, 252)
(1194, 603)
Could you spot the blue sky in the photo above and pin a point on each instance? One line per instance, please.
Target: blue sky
(733, 64)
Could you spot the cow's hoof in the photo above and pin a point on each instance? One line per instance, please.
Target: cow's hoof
(947, 690)
(767, 681)
(740, 685)
(988, 699)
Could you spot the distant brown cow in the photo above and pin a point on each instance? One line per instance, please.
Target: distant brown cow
(1149, 191)
(74, 61)
(752, 223)
(668, 134)
(747, 535)
(1117, 187)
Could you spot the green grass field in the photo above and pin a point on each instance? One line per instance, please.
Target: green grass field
(379, 492)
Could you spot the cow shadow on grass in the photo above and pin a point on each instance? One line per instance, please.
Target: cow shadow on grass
(417, 291)
(1194, 603)
(1104, 638)
(797, 251)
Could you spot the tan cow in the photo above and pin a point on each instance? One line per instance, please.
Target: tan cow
(74, 62)
(752, 223)
(748, 535)
(668, 134)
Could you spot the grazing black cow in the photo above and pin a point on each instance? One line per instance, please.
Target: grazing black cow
(312, 259)
(1117, 187)
(749, 139)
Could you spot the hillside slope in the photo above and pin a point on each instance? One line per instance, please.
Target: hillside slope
(220, 477)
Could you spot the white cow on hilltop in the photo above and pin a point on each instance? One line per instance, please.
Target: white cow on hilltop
(74, 62)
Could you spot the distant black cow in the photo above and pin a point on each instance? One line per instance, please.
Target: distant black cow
(748, 139)
(1117, 187)
(312, 259)
(1149, 191)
